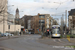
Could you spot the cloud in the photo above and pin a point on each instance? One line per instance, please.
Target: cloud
(33, 7)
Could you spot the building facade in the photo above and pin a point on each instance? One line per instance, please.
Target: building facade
(3, 15)
(40, 21)
(26, 21)
(71, 20)
(36, 22)
(4, 26)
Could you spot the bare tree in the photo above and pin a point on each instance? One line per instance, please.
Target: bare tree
(3, 12)
(3, 9)
(35, 23)
(3, 4)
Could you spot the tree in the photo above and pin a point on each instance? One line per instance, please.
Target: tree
(35, 23)
(3, 4)
(3, 9)
(3, 12)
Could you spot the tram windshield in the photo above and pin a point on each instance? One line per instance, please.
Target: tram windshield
(55, 31)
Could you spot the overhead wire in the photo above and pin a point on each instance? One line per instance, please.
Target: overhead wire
(60, 3)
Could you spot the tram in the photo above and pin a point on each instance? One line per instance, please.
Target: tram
(56, 31)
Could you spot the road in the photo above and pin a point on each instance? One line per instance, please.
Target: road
(29, 42)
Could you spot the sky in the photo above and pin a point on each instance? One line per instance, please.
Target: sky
(33, 7)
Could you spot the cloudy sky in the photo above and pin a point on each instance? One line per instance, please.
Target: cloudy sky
(33, 7)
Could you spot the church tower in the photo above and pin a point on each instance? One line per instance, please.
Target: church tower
(17, 14)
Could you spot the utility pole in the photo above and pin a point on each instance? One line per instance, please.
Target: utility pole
(65, 20)
(62, 24)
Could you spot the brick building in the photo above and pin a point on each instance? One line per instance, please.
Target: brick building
(40, 21)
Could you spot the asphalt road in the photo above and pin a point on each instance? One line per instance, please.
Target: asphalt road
(30, 42)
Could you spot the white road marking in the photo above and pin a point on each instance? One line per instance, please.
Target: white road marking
(59, 40)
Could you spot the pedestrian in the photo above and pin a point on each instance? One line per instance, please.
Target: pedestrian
(50, 33)
(47, 32)
(20, 33)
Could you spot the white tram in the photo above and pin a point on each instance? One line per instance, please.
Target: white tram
(56, 31)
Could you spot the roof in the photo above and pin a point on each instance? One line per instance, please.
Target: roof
(17, 10)
(72, 12)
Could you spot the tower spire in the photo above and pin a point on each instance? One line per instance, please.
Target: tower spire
(17, 13)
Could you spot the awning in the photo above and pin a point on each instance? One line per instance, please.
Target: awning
(22, 26)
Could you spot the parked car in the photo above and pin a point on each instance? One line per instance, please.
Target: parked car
(8, 34)
(29, 32)
(32, 32)
(1, 35)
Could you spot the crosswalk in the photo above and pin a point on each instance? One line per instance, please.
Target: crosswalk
(57, 40)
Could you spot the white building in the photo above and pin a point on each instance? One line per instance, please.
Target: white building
(4, 27)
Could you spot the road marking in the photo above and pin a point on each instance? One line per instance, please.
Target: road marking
(59, 40)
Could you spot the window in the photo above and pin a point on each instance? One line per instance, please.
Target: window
(41, 21)
(41, 16)
(8, 26)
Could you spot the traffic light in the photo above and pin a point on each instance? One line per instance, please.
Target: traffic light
(39, 29)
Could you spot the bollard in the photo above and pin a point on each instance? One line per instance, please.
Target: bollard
(68, 38)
